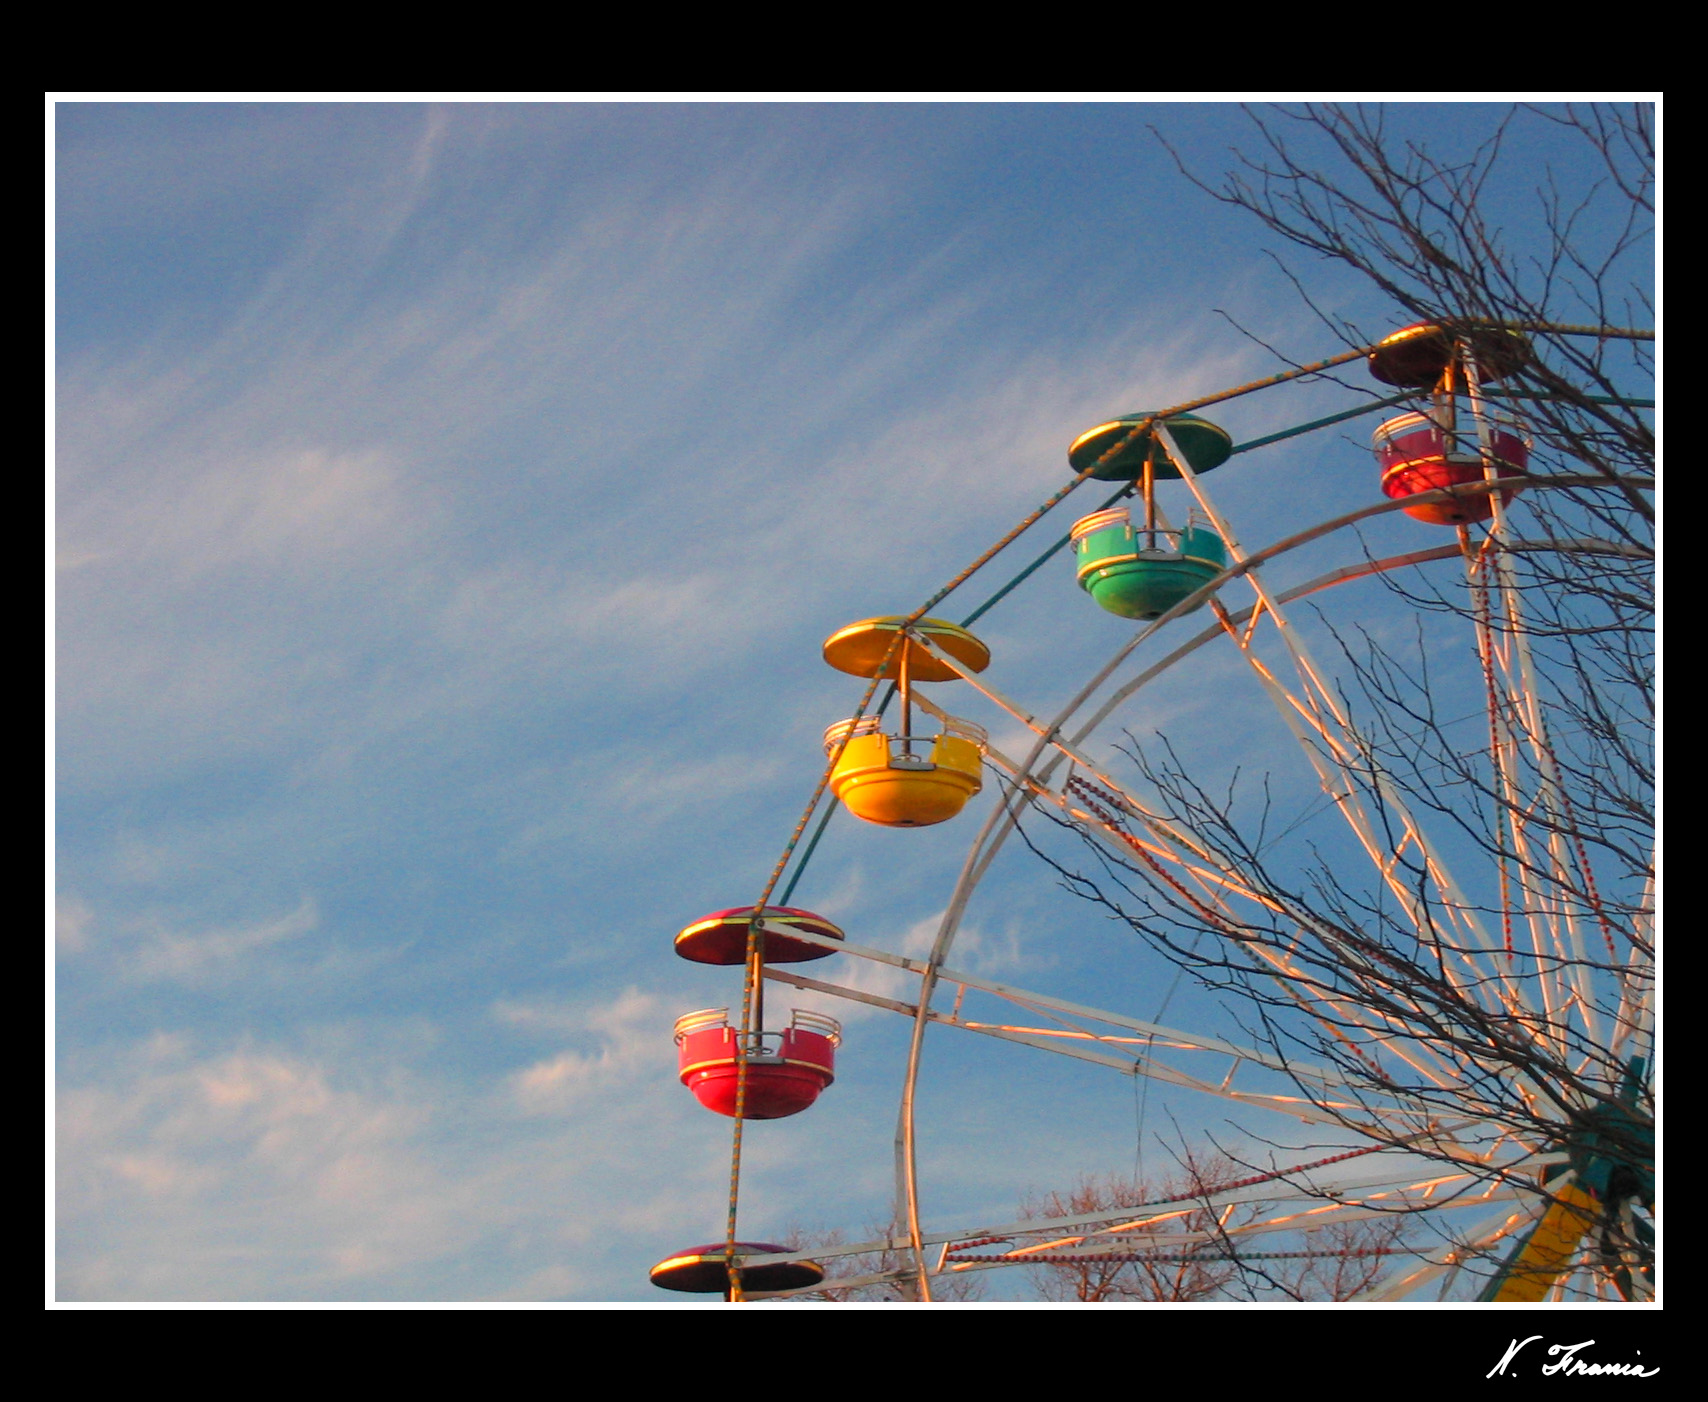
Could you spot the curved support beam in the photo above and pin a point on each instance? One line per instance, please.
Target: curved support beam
(1036, 770)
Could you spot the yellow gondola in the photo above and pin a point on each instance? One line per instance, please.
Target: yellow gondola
(905, 780)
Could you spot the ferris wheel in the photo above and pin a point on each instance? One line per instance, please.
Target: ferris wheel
(1473, 1015)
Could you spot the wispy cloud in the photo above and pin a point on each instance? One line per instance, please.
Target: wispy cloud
(73, 920)
(468, 550)
(633, 1041)
(260, 1173)
(175, 955)
(247, 1174)
(132, 949)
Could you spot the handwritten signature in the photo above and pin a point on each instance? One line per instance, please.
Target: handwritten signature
(1569, 1364)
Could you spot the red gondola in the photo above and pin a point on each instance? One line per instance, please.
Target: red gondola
(786, 1070)
(1417, 455)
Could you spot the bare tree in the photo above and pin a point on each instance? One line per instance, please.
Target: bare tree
(1154, 1274)
(1500, 1019)
(1178, 1245)
(1177, 1239)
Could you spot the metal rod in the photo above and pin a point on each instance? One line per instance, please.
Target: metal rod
(1150, 1034)
(1025, 574)
(1341, 417)
(1150, 496)
(1492, 393)
(830, 812)
(904, 667)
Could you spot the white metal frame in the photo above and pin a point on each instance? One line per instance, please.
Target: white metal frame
(1309, 707)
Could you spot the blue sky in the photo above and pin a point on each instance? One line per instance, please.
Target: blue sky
(451, 501)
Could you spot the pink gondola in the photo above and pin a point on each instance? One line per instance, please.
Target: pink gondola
(786, 1070)
(1418, 456)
